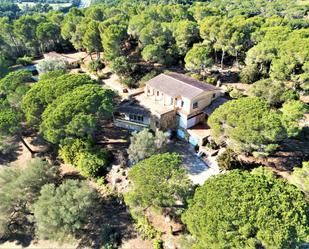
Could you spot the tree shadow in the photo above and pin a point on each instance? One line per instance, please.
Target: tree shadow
(229, 77)
(12, 153)
(72, 176)
(38, 140)
(20, 232)
(109, 223)
(20, 239)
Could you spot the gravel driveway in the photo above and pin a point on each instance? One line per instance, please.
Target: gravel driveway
(198, 170)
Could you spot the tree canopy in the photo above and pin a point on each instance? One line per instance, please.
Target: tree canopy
(46, 91)
(244, 210)
(82, 153)
(13, 87)
(19, 190)
(250, 125)
(262, 34)
(199, 57)
(49, 65)
(144, 144)
(76, 113)
(62, 211)
(14, 81)
(292, 111)
(247, 124)
(300, 177)
(273, 91)
(158, 182)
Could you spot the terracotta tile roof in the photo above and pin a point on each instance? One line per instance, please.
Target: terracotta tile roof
(179, 85)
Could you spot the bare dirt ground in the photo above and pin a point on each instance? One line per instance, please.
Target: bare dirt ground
(21, 155)
(291, 153)
(42, 244)
(113, 213)
(114, 83)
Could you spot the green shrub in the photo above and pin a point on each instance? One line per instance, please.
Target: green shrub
(186, 242)
(270, 148)
(52, 74)
(101, 181)
(72, 148)
(122, 66)
(8, 145)
(227, 160)
(158, 244)
(249, 74)
(145, 228)
(289, 95)
(300, 177)
(103, 76)
(143, 225)
(212, 145)
(52, 64)
(211, 80)
(82, 154)
(95, 66)
(25, 60)
(236, 94)
(129, 81)
(92, 164)
(110, 238)
(196, 76)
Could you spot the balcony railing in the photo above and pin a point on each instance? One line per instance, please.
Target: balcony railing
(131, 122)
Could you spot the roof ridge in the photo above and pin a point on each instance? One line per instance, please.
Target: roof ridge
(183, 82)
(198, 81)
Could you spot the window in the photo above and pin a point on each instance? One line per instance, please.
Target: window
(182, 103)
(139, 118)
(158, 93)
(214, 95)
(195, 105)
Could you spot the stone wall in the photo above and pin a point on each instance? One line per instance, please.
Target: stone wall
(168, 121)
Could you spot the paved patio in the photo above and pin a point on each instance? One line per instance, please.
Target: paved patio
(198, 170)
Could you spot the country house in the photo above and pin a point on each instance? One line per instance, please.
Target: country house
(170, 102)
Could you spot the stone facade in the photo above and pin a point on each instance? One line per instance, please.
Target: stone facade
(168, 121)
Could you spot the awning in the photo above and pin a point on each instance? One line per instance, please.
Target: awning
(199, 131)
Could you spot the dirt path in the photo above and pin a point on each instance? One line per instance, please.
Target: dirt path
(23, 157)
(41, 244)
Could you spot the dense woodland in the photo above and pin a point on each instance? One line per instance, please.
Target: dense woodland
(264, 43)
